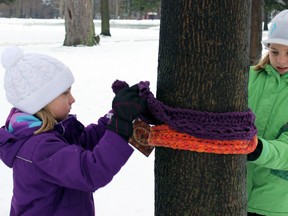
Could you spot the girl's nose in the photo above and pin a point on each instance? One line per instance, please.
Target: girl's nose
(71, 99)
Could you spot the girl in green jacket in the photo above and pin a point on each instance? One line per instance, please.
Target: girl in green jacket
(267, 182)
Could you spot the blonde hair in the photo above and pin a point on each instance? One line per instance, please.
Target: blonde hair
(48, 120)
(261, 64)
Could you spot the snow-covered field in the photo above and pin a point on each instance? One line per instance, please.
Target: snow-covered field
(131, 54)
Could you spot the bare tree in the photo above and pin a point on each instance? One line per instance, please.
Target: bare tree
(256, 31)
(79, 24)
(61, 8)
(105, 18)
(203, 65)
(7, 1)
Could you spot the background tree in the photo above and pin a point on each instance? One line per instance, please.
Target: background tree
(31, 8)
(256, 31)
(118, 9)
(144, 6)
(79, 24)
(6, 1)
(203, 65)
(271, 8)
(105, 18)
(56, 6)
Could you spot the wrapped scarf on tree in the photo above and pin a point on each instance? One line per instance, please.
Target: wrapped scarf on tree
(186, 129)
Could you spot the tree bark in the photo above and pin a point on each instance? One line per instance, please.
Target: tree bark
(256, 31)
(79, 24)
(105, 18)
(266, 20)
(203, 65)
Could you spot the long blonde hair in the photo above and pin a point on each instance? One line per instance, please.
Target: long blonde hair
(48, 121)
(261, 64)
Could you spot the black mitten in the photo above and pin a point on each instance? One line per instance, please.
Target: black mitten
(124, 93)
(256, 153)
(127, 104)
(121, 127)
(126, 108)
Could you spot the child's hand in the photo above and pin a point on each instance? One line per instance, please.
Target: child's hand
(127, 104)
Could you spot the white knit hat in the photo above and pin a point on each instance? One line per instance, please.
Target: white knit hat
(33, 80)
(278, 31)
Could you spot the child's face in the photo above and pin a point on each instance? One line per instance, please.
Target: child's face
(278, 55)
(60, 106)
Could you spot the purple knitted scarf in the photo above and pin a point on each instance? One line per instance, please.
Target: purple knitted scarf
(207, 125)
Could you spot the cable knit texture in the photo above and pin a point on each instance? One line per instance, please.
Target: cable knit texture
(33, 80)
(207, 125)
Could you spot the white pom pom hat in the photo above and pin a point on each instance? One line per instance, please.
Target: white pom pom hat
(278, 31)
(33, 80)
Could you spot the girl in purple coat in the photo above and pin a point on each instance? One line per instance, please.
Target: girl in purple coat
(57, 162)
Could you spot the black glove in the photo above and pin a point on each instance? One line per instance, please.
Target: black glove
(120, 88)
(256, 153)
(121, 127)
(127, 104)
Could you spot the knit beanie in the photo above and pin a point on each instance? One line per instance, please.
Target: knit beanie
(33, 80)
(278, 31)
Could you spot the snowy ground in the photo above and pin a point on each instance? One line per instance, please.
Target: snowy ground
(131, 54)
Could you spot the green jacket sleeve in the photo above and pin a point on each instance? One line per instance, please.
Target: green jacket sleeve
(274, 153)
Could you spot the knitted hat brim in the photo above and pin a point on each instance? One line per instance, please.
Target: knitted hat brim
(275, 41)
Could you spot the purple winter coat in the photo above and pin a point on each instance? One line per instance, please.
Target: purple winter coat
(55, 172)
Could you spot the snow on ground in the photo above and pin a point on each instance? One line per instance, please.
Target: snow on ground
(131, 54)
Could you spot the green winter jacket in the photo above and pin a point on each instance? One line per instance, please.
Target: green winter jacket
(267, 182)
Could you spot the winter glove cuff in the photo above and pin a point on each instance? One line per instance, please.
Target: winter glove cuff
(121, 127)
(256, 153)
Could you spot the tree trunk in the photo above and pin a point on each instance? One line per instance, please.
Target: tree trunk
(203, 65)
(105, 18)
(256, 31)
(61, 8)
(266, 20)
(79, 24)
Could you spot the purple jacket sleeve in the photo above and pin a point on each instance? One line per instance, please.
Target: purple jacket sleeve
(93, 133)
(72, 166)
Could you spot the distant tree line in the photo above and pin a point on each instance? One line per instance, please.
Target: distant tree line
(47, 9)
(118, 9)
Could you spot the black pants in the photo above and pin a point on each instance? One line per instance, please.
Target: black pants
(253, 214)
